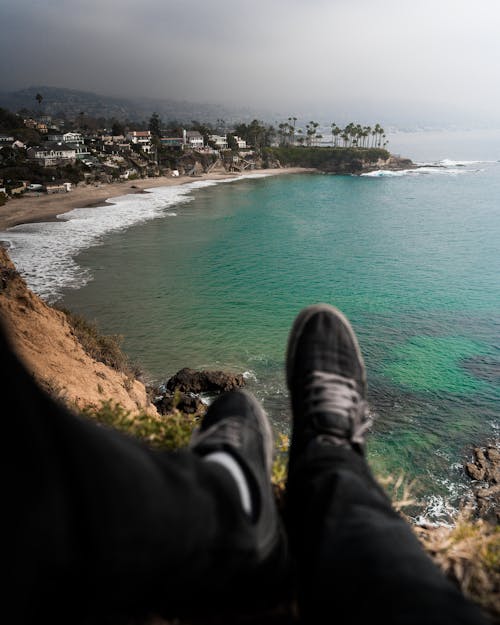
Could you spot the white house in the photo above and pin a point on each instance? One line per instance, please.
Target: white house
(81, 150)
(193, 139)
(52, 154)
(67, 137)
(242, 144)
(142, 138)
(220, 141)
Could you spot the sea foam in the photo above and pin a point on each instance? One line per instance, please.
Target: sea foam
(445, 167)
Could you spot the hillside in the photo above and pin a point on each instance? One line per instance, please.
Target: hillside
(66, 370)
(338, 160)
(70, 102)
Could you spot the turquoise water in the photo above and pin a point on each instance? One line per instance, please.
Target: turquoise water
(413, 260)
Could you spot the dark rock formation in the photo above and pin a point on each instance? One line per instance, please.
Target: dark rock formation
(185, 402)
(189, 380)
(485, 470)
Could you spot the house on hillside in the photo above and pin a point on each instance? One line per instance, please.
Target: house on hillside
(141, 138)
(66, 137)
(81, 150)
(220, 141)
(242, 144)
(52, 154)
(172, 142)
(193, 139)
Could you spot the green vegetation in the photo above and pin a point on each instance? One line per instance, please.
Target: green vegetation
(9, 122)
(29, 170)
(154, 125)
(469, 554)
(100, 347)
(326, 159)
(169, 432)
(256, 133)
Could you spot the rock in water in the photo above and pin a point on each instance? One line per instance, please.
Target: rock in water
(485, 468)
(184, 402)
(192, 381)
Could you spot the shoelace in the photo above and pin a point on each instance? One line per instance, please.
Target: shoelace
(331, 393)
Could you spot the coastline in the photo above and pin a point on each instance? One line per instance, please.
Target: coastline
(46, 208)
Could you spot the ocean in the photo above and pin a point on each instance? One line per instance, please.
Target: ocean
(211, 275)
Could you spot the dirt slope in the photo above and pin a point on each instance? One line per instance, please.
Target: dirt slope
(45, 342)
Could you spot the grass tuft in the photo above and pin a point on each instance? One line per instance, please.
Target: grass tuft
(171, 431)
(105, 348)
(469, 554)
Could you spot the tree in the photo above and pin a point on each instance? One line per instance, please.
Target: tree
(155, 125)
(81, 117)
(232, 144)
(9, 121)
(292, 128)
(311, 129)
(284, 133)
(39, 98)
(205, 130)
(117, 129)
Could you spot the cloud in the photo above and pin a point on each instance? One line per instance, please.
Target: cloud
(288, 55)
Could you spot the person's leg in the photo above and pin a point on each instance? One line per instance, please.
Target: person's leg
(358, 560)
(101, 528)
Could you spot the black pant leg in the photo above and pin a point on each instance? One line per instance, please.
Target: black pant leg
(99, 526)
(358, 560)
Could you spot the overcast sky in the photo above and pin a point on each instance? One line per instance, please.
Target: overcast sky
(417, 60)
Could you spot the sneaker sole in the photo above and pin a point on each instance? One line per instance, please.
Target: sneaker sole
(298, 326)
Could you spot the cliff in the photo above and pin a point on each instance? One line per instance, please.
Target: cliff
(337, 160)
(66, 370)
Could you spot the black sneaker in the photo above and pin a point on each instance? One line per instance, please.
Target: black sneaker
(236, 423)
(327, 381)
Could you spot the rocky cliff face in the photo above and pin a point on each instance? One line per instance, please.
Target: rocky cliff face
(47, 345)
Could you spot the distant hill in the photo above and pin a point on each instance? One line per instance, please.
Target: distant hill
(70, 102)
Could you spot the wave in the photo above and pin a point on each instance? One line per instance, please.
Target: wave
(437, 511)
(250, 375)
(44, 252)
(419, 171)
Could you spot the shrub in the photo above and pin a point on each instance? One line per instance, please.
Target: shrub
(325, 158)
(469, 554)
(171, 431)
(101, 347)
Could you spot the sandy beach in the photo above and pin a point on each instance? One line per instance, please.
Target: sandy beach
(30, 209)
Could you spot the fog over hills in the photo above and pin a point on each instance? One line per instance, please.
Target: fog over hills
(70, 103)
(63, 102)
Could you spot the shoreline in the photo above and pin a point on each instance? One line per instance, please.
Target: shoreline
(46, 208)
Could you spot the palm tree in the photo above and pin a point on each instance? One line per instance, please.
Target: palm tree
(39, 98)
(311, 132)
(292, 128)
